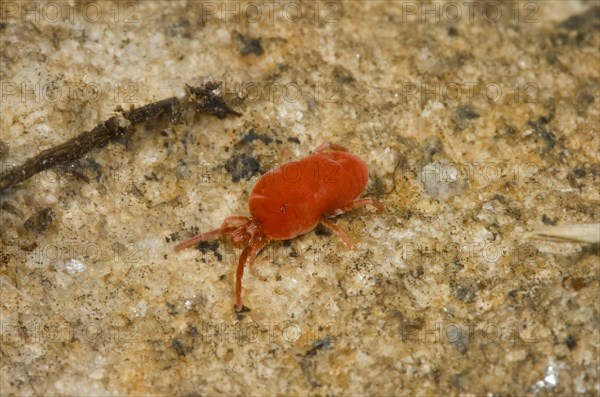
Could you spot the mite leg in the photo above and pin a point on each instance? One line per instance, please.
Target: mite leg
(366, 201)
(238, 279)
(357, 203)
(332, 146)
(338, 231)
(204, 237)
(248, 255)
(236, 220)
(229, 225)
(286, 154)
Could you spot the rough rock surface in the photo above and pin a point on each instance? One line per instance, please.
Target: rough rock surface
(479, 122)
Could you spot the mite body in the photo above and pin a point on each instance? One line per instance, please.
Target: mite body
(291, 200)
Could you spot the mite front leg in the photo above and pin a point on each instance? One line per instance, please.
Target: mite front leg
(248, 255)
(330, 146)
(230, 224)
(286, 154)
(204, 237)
(239, 274)
(366, 201)
(338, 231)
(236, 220)
(357, 203)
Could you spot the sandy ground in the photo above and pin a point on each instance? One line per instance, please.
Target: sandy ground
(478, 121)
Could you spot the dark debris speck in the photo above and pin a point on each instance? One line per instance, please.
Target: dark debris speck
(547, 220)
(206, 100)
(242, 166)
(173, 237)
(84, 169)
(206, 246)
(541, 129)
(466, 112)
(343, 75)
(4, 149)
(586, 21)
(192, 331)
(452, 31)
(321, 230)
(465, 290)
(579, 172)
(252, 136)
(318, 345)
(181, 28)
(570, 342)
(250, 45)
(242, 313)
(40, 221)
(584, 99)
(11, 209)
(172, 309)
(431, 146)
(179, 347)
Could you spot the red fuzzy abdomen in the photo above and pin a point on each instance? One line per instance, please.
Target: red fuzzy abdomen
(291, 199)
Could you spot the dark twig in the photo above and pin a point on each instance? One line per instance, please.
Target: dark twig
(202, 99)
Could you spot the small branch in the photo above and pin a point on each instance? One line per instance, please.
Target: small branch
(202, 99)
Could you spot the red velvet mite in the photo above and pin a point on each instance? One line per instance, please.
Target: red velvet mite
(291, 200)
